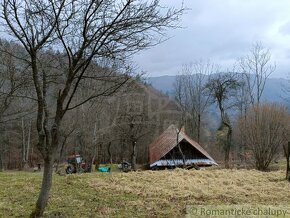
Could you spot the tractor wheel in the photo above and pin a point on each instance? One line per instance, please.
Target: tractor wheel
(70, 169)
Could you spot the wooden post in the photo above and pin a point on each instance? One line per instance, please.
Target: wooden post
(287, 161)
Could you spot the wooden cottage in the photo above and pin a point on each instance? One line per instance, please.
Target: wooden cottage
(172, 149)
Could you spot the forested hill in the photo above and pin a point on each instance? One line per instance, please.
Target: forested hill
(274, 89)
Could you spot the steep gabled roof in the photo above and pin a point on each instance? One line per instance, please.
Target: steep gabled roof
(167, 141)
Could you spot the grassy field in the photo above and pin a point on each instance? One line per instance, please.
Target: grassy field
(142, 194)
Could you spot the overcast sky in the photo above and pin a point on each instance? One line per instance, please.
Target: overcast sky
(222, 31)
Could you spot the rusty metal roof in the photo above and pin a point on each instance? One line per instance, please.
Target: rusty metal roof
(167, 141)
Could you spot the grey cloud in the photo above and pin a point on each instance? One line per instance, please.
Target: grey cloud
(218, 30)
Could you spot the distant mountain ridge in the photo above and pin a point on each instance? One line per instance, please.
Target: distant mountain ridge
(273, 92)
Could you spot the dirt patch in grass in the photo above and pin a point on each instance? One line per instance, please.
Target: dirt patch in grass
(142, 194)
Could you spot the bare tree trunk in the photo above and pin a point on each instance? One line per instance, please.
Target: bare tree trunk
(60, 154)
(179, 148)
(227, 157)
(134, 156)
(288, 163)
(198, 128)
(288, 170)
(94, 158)
(23, 145)
(227, 165)
(95, 147)
(110, 153)
(45, 188)
(1, 163)
(100, 154)
(48, 145)
(228, 145)
(31, 156)
(182, 155)
(28, 143)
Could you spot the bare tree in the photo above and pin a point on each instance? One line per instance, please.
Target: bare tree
(222, 88)
(11, 80)
(131, 128)
(87, 32)
(88, 127)
(11, 84)
(266, 129)
(256, 68)
(26, 142)
(3, 148)
(190, 91)
(7, 89)
(133, 122)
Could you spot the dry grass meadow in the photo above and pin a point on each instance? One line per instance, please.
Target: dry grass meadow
(142, 194)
